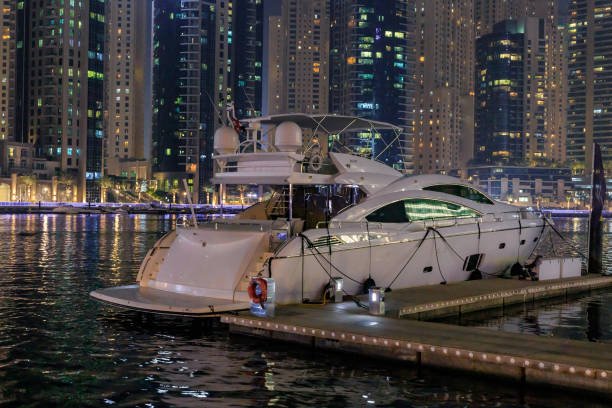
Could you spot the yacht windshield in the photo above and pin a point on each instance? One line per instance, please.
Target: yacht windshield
(417, 209)
(460, 191)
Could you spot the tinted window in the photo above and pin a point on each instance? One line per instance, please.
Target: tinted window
(394, 212)
(461, 191)
(419, 209)
(424, 209)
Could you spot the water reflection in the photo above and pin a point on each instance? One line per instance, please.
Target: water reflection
(60, 348)
(587, 318)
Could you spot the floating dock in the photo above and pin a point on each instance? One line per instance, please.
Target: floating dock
(346, 327)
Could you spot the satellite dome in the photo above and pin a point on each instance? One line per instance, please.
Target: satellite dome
(288, 137)
(226, 140)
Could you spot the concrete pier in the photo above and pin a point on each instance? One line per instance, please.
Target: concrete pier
(435, 301)
(579, 365)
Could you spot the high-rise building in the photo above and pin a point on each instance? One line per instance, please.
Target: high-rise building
(371, 69)
(554, 13)
(202, 82)
(190, 98)
(511, 99)
(589, 107)
(499, 110)
(548, 145)
(8, 48)
(94, 54)
(128, 88)
(166, 91)
(248, 57)
(22, 34)
(487, 13)
(277, 99)
(301, 36)
(444, 96)
(58, 90)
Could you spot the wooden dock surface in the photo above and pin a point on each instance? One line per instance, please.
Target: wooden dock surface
(531, 359)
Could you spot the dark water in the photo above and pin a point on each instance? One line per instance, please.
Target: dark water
(60, 348)
(588, 317)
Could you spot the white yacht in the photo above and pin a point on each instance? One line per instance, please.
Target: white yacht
(400, 231)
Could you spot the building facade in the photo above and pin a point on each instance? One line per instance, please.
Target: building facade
(8, 57)
(299, 44)
(59, 88)
(589, 107)
(191, 98)
(128, 86)
(371, 71)
(248, 58)
(499, 109)
(537, 186)
(277, 99)
(511, 100)
(487, 13)
(444, 94)
(166, 88)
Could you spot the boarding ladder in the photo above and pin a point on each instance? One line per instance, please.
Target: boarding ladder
(278, 204)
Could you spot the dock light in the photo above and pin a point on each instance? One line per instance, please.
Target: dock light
(338, 285)
(377, 301)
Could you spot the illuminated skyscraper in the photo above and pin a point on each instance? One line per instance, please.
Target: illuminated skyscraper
(589, 80)
(276, 97)
(444, 117)
(58, 87)
(8, 48)
(299, 45)
(246, 79)
(166, 40)
(489, 12)
(128, 88)
(510, 98)
(198, 67)
(371, 70)
(546, 133)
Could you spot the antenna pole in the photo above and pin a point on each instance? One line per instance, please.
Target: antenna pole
(193, 215)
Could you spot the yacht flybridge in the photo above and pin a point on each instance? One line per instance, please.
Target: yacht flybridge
(399, 231)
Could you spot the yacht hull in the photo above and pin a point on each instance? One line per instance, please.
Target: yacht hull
(399, 259)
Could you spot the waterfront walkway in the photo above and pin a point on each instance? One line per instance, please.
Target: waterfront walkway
(530, 359)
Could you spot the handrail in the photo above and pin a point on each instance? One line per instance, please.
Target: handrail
(495, 217)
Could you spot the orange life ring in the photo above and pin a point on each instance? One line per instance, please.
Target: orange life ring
(263, 290)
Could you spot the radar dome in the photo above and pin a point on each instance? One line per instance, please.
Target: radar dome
(226, 140)
(288, 137)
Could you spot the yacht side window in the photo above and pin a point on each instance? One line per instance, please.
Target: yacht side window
(394, 212)
(461, 191)
(427, 209)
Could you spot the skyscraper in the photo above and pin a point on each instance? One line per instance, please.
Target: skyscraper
(166, 52)
(489, 12)
(128, 88)
(190, 97)
(8, 48)
(499, 110)
(444, 116)
(371, 68)
(95, 51)
(59, 88)
(545, 140)
(248, 57)
(589, 81)
(511, 99)
(277, 99)
(199, 76)
(301, 37)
